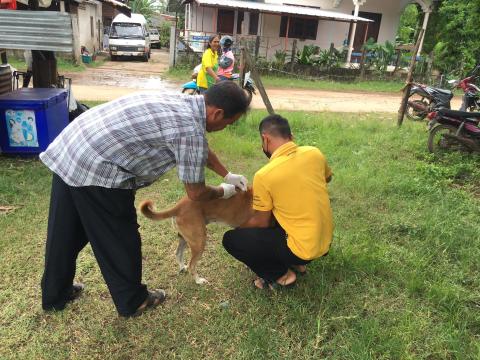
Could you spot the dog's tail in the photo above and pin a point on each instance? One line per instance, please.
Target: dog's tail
(146, 208)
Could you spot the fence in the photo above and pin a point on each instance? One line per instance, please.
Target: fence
(275, 57)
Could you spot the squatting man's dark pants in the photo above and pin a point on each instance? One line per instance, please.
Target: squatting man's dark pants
(264, 250)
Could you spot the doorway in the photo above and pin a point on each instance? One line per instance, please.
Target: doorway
(225, 21)
(373, 29)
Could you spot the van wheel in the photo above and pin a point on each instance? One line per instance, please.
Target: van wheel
(113, 57)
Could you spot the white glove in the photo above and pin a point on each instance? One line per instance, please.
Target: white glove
(239, 181)
(228, 190)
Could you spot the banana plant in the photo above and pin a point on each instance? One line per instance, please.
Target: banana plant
(280, 59)
(329, 59)
(378, 55)
(308, 54)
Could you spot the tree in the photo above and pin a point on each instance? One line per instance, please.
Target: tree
(145, 7)
(453, 36)
(409, 22)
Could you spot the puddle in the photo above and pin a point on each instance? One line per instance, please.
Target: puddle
(123, 80)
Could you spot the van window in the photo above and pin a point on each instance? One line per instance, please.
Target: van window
(126, 30)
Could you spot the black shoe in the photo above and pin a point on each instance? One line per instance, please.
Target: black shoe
(154, 298)
(76, 291)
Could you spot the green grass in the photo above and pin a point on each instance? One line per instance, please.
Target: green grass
(272, 81)
(367, 86)
(401, 281)
(178, 73)
(63, 65)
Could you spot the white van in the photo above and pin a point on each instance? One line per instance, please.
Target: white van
(129, 36)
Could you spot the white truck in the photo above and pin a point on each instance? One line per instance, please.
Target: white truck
(129, 36)
(155, 38)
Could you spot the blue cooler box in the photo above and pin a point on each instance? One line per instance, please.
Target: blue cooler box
(30, 119)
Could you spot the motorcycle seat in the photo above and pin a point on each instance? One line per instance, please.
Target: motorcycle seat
(445, 92)
(468, 116)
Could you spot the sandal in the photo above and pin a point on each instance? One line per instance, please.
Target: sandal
(295, 269)
(154, 298)
(265, 284)
(271, 285)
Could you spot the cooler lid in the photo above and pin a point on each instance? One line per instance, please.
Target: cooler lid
(43, 96)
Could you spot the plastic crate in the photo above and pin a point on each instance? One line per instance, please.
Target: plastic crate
(87, 59)
(30, 119)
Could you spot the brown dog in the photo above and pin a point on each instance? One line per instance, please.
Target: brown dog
(191, 218)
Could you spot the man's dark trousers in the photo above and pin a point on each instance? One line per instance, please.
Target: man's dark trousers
(263, 250)
(107, 219)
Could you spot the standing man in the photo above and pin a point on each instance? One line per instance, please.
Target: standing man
(99, 161)
(27, 54)
(292, 223)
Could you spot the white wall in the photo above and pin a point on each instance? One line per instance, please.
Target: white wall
(84, 13)
(328, 31)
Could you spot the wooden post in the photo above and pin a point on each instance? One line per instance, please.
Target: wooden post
(257, 79)
(286, 32)
(294, 51)
(173, 45)
(430, 66)
(397, 62)
(363, 58)
(257, 47)
(76, 39)
(408, 86)
(3, 56)
(242, 69)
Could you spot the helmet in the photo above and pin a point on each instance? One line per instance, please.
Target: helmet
(225, 62)
(226, 41)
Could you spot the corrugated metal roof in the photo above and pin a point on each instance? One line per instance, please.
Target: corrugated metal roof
(282, 9)
(36, 30)
(120, 6)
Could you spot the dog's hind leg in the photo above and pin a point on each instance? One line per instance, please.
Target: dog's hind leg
(193, 231)
(197, 249)
(180, 252)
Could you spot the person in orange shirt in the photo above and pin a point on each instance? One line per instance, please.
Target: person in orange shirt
(292, 223)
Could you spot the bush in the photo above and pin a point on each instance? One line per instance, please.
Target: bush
(164, 32)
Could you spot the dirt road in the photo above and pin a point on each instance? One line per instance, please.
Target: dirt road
(115, 79)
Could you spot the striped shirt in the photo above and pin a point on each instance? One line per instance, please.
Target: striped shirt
(130, 142)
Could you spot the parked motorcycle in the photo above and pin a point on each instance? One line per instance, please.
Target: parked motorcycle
(191, 87)
(433, 98)
(453, 130)
(471, 92)
(424, 99)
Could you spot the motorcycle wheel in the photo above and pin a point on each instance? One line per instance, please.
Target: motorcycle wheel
(438, 143)
(414, 114)
(190, 91)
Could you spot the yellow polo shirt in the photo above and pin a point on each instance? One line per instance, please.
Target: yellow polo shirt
(209, 60)
(293, 186)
